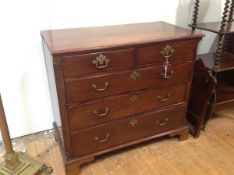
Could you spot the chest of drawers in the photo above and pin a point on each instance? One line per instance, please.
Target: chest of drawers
(115, 86)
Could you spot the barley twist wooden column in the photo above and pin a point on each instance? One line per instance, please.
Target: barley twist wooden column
(195, 14)
(220, 46)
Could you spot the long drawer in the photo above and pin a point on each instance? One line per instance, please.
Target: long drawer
(78, 90)
(105, 136)
(108, 109)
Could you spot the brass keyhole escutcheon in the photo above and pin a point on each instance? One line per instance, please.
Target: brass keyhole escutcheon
(135, 75)
(134, 98)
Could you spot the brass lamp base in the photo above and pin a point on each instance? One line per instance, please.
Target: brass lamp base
(21, 164)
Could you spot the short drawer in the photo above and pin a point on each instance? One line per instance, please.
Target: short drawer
(182, 50)
(101, 62)
(108, 109)
(112, 134)
(94, 87)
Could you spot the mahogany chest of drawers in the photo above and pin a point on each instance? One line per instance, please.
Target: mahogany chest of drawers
(116, 86)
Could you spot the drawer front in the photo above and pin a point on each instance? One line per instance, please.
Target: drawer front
(101, 62)
(104, 110)
(112, 84)
(183, 50)
(105, 136)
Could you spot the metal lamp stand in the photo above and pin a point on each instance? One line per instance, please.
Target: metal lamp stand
(17, 163)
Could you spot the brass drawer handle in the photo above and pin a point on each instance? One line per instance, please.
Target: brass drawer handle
(167, 75)
(96, 138)
(163, 99)
(100, 89)
(133, 122)
(167, 52)
(161, 123)
(101, 62)
(97, 113)
(135, 75)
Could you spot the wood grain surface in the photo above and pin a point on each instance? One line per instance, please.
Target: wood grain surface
(78, 65)
(113, 108)
(83, 39)
(99, 63)
(78, 90)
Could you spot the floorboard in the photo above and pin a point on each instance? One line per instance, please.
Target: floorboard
(211, 154)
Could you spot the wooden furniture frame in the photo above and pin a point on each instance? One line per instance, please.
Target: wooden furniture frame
(213, 84)
(116, 86)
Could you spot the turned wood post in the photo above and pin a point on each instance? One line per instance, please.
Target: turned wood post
(231, 13)
(221, 42)
(4, 129)
(195, 13)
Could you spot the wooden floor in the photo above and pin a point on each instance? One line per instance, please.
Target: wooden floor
(211, 154)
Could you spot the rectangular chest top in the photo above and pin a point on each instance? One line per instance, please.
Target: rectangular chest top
(65, 41)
